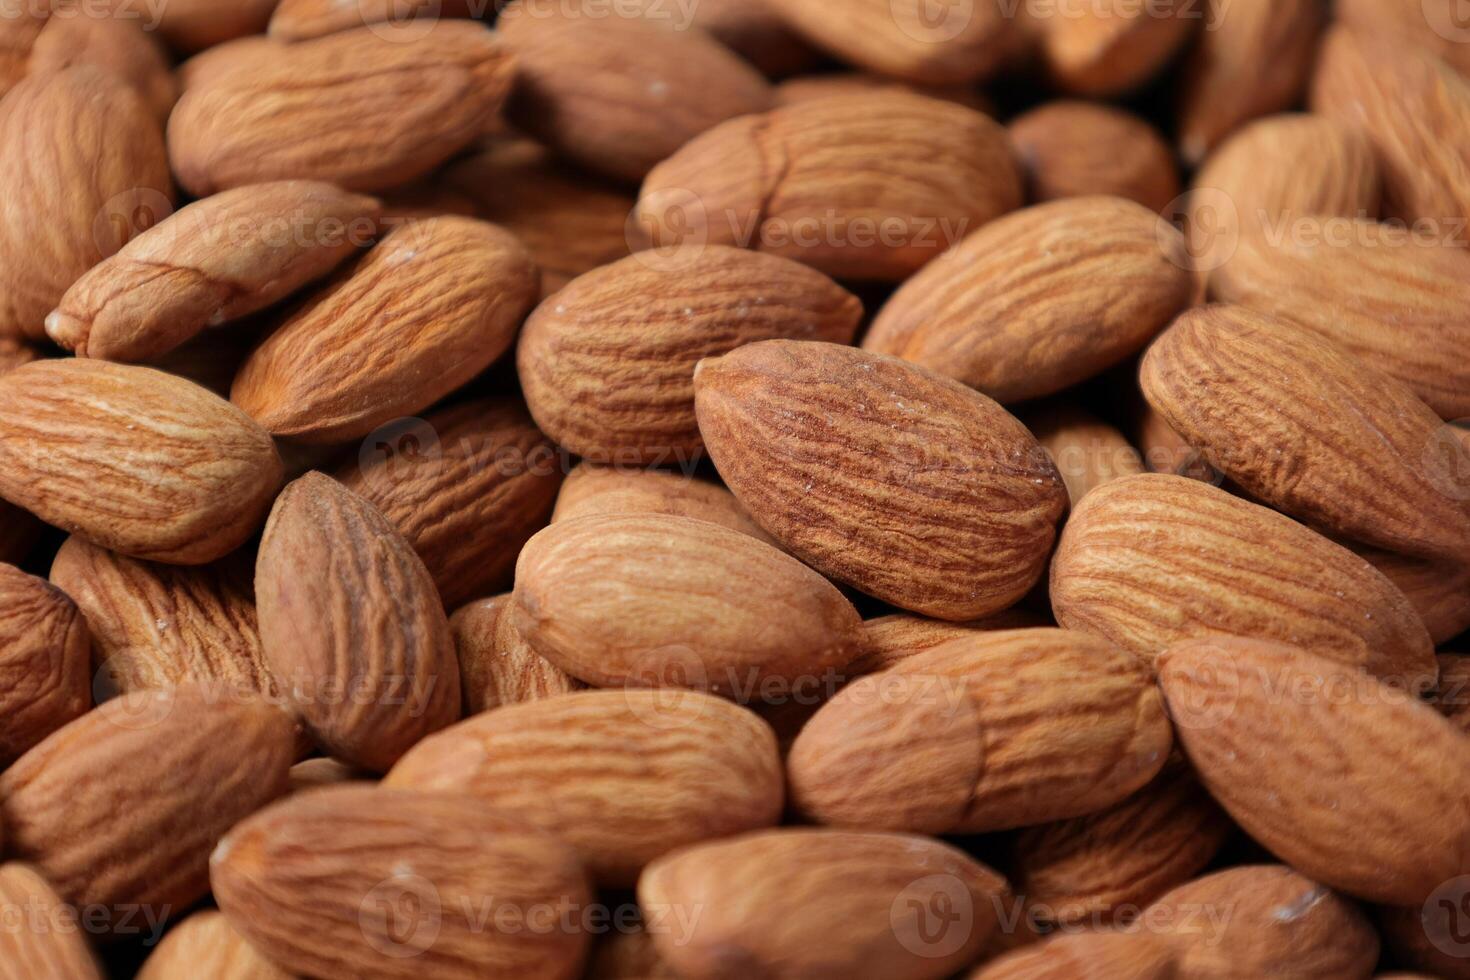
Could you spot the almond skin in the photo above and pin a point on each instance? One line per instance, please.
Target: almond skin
(890, 640)
(796, 903)
(83, 158)
(623, 776)
(1150, 560)
(1302, 424)
(496, 667)
(868, 186)
(211, 262)
(999, 730)
(655, 601)
(641, 89)
(592, 489)
(904, 484)
(205, 944)
(135, 460)
(1438, 590)
(182, 765)
(340, 109)
(1085, 956)
(1373, 799)
(1086, 450)
(44, 675)
(480, 482)
(1072, 148)
(1109, 48)
(359, 881)
(44, 40)
(352, 626)
(805, 87)
(607, 363)
(45, 942)
(1041, 299)
(446, 295)
(193, 25)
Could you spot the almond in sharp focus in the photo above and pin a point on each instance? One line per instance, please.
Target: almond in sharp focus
(44, 665)
(496, 666)
(206, 945)
(1072, 148)
(135, 460)
(593, 489)
(45, 941)
(1430, 24)
(904, 484)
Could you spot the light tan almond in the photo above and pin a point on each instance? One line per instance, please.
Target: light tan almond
(496, 666)
(44, 664)
(1434, 25)
(1417, 935)
(1110, 47)
(803, 88)
(1086, 450)
(239, 52)
(43, 37)
(206, 945)
(1072, 148)
(1438, 590)
(44, 941)
(593, 489)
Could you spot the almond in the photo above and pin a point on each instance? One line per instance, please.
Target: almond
(135, 460)
(150, 780)
(1085, 956)
(798, 902)
(1164, 451)
(466, 487)
(44, 675)
(340, 109)
(1150, 560)
(857, 186)
(18, 533)
(607, 363)
(1110, 47)
(890, 640)
(496, 666)
(193, 25)
(14, 353)
(1438, 590)
(43, 940)
(804, 88)
(358, 881)
(1432, 24)
(1086, 450)
(302, 20)
(49, 37)
(593, 489)
(82, 159)
(656, 600)
(628, 955)
(998, 730)
(205, 944)
(1302, 424)
(1373, 797)
(352, 626)
(240, 52)
(1078, 149)
(641, 89)
(445, 295)
(212, 262)
(623, 776)
(1042, 299)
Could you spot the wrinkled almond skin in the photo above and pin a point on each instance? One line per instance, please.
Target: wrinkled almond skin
(368, 109)
(121, 807)
(1086, 450)
(45, 680)
(302, 20)
(135, 460)
(1302, 424)
(622, 776)
(466, 488)
(1438, 590)
(355, 881)
(878, 473)
(663, 601)
(999, 730)
(1150, 560)
(640, 91)
(607, 363)
(1072, 148)
(1264, 921)
(800, 903)
(1373, 799)
(592, 489)
(45, 941)
(445, 295)
(41, 40)
(83, 158)
(1041, 299)
(1086, 956)
(890, 640)
(211, 262)
(215, 61)
(352, 626)
(206, 945)
(1111, 47)
(496, 666)
(867, 186)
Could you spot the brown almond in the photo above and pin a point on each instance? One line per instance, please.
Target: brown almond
(496, 666)
(1164, 450)
(352, 626)
(1086, 956)
(132, 459)
(1086, 450)
(321, 771)
(1438, 590)
(628, 955)
(44, 666)
(1042, 299)
(890, 640)
(206, 945)
(302, 20)
(803, 88)
(1072, 148)
(49, 37)
(45, 942)
(1111, 47)
(594, 489)
(446, 295)
(1434, 25)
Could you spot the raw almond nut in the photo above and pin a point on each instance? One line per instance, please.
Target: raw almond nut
(496, 667)
(1072, 148)
(658, 601)
(1374, 796)
(998, 730)
(193, 25)
(641, 89)
(315, 773)
(132, 459)
(795, 903)
(803, 88)
(1086, 956)
(1110, 47)
(593, 489)
(607, 363)
(206, 945)
(240, 52)
(467, 487)
(1438, 590)
(1150, 560)
(151, 780)
(211, 262)
(44, 675)
(623, 776)
(352, 626)
(14, 353)
(1041, 299)
(446, 295)
(156, 626)
(340, 108)
(48, 37)
(1434, 25)
(890, 640)
(82, 158)
(1302, 424)
(302, 20)
(1264, 921)
(350, 881)
(858, 186)
(1087, 451)
(47, 945)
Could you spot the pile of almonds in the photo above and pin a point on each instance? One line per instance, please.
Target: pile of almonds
(773, 489)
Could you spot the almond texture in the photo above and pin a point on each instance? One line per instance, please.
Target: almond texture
(44, 666)
(592, 489)
(496, 666)
(44, 942)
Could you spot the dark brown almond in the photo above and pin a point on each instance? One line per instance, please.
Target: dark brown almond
(496, 666)
(1078, 149)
